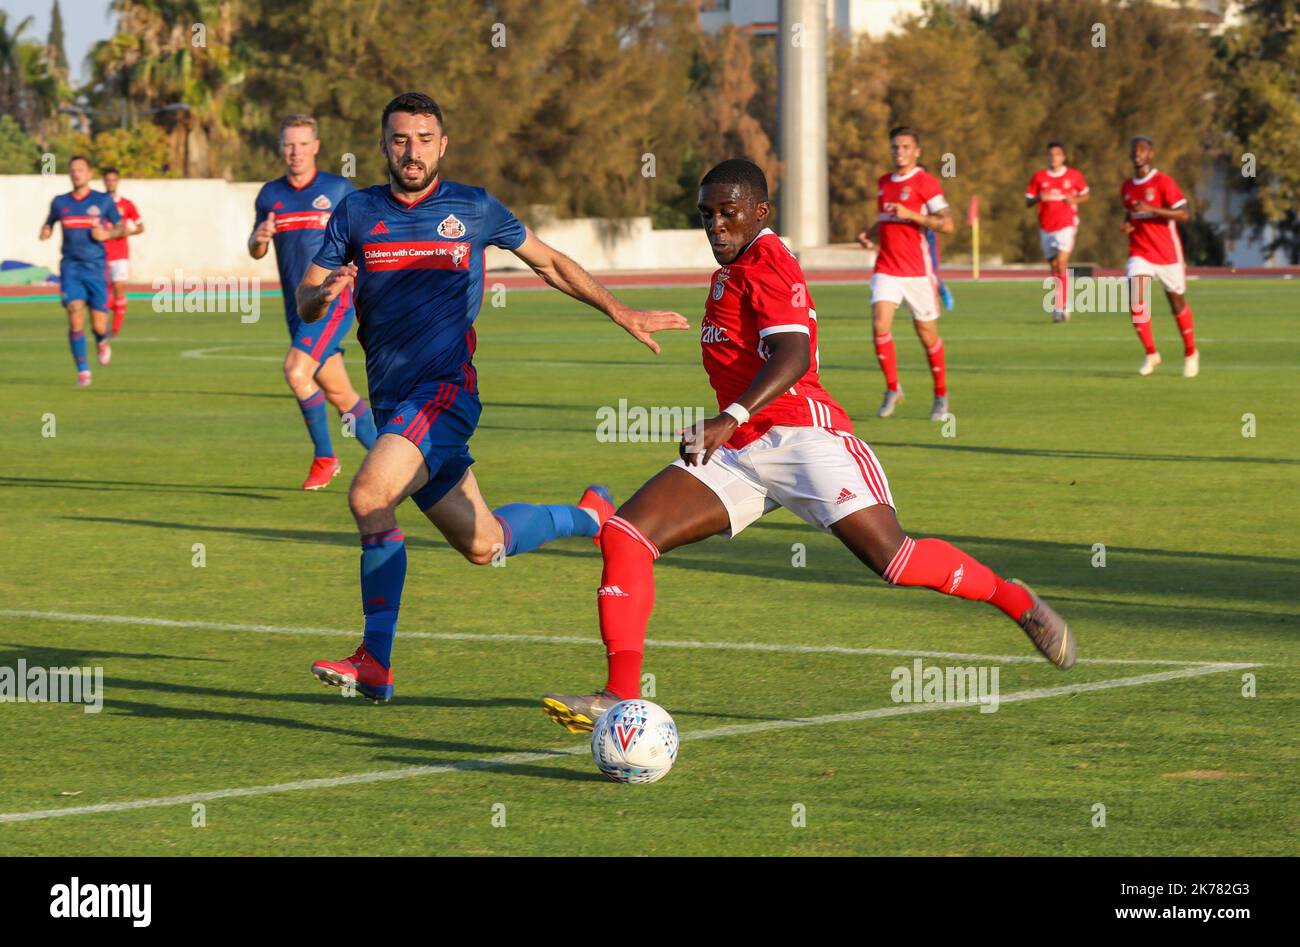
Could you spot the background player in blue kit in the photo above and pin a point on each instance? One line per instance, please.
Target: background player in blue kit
(413, 249)
(88, 218)
(293, 210)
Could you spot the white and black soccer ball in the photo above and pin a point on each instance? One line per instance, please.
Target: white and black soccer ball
(635, 741)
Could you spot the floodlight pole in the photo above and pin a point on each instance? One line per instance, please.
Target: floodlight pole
(801, 58)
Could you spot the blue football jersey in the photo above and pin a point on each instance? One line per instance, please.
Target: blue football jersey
(301, 214)
(419, 281)
(77, 217)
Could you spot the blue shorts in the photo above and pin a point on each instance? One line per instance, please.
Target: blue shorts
(322, 338)
(439, 419)
(87, 282)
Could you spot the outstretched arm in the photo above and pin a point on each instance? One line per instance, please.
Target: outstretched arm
(571, 279)
(320, 287)
(787, 362)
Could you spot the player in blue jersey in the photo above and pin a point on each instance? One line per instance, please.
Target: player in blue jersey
(292, 211)
(413, 250)
(88, 218)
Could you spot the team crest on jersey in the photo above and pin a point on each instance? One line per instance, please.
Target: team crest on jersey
(718, 285)
(93, 211)
(451, 228)
(321, 203)
(905, 194)
(1151, 195)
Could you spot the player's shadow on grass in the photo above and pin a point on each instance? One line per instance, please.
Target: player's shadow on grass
(318, 696)
(117, 707)
(1084, 454)
(144, 486)
(47, 657)
(534, 770)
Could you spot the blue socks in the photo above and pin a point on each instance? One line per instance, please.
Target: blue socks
(383, 573)
(529, 525)
(363, 423)
(77, 342)
(313, 412)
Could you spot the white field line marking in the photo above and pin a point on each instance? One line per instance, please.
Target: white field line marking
(591, 641)
(515, 759)
(206, 353)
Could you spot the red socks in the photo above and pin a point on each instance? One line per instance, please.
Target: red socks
(935, 564)
(625, 599)
(1142, 323)
(888, 359)
(1185, 326)
(117, 303)
(935, 354)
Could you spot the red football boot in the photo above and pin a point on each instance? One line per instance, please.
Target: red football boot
(323, 470)
(597, 499)
(360, 673)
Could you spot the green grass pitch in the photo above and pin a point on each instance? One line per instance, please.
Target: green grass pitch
(191, 436)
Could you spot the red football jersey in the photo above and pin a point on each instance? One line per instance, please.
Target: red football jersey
(117, 249)
(904, 250)
(763, 293)
(1154, 239)
(1054, 211)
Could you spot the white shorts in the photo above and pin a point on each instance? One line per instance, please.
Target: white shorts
(1058, 241)
(119, 271)
(819, 475)
(919, 292)
(1173, 276)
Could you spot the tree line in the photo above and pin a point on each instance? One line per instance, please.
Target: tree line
(613, 108)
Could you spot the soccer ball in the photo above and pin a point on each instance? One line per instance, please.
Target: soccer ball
(635, 741)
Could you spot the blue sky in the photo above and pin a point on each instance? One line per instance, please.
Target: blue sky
(84, 23)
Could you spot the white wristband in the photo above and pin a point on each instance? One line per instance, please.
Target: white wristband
(737, 411)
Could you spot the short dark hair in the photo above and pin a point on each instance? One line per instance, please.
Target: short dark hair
(905, 130)
(107, 171)
(1055, 144)
(79, 158)
(414, 103)
(1146, 138)
(741, 172)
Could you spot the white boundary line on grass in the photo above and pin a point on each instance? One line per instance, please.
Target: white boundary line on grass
(517, 759)
(591, 641)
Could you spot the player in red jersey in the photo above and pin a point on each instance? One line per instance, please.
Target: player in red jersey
(1153, 208)
(779, 440)
(119, 269)
(910, 201)
(1057, 191)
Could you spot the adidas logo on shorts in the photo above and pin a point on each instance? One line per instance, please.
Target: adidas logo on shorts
(845, 495)
(611, 590)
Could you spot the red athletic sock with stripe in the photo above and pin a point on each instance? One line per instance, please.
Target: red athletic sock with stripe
(935, 564)
(119, 311)
(625, 600)
(1142, 324)
(888, 359)
(935, 354)
(1185, 326)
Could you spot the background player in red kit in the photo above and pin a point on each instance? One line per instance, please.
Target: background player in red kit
(1153, 208)
(1058, 190)
(910, 201)
(118, 252)
(779, 440)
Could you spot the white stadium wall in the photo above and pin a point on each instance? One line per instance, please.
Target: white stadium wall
(201, 226)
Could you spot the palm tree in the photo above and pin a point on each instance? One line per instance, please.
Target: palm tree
(16, 98)
(153, 62)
